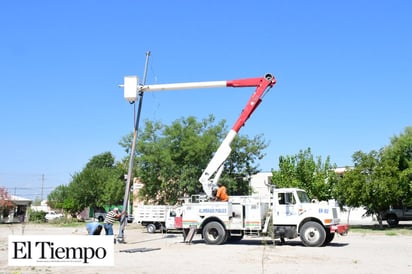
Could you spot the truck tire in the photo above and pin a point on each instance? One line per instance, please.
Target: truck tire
(312, 234)
(151, 228)
(329, 237)
(392, 220)
(214, 233)
(101, 219)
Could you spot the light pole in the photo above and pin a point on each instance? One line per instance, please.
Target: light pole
(123, 219)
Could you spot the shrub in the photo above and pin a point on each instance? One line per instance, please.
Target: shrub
(37, 216)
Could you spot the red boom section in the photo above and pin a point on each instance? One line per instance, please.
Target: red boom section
(261, 84)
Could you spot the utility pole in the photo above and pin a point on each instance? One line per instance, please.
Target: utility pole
(123, 219)
(42, 187)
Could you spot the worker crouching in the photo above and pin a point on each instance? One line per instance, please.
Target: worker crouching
(94, 228)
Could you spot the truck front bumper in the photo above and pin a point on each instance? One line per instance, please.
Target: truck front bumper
(342, 229)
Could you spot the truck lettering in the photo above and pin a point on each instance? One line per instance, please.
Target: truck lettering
(323, 210)
(212, 210)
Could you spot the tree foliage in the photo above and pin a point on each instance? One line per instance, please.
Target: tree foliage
(100, 183)
(5, 201)
(399, 155)
(379, 179)
(305, 171)
(171, 158)
(60, 198)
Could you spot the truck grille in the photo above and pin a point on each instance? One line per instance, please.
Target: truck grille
(335, 213)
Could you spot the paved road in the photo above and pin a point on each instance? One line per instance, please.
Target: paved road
(363, 253)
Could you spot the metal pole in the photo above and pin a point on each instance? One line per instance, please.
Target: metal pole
(123, 219)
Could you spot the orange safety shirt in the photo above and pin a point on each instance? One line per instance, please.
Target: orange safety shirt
(221, 194)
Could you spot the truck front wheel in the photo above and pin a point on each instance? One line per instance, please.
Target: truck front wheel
(329, 237)
(214, 233)
(312, 234)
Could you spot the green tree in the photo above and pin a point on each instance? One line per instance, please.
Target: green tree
(371, 183)
(304, 171)
(100, 183)
(399, 154)
(381, 178)
(113, 188)
(171, 158)
(59, 198)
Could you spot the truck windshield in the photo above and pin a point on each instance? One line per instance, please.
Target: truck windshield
(303, 197)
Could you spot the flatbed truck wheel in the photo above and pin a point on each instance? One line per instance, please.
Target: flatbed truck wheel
(151, 228)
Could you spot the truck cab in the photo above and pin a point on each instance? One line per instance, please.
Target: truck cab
(294, 214)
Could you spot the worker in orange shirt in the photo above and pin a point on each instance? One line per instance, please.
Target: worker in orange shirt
(221, 194)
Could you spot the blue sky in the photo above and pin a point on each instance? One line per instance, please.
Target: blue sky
(344, 71)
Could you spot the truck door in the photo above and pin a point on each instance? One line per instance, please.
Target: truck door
(172, 220)
(407, 211)
(286, 211)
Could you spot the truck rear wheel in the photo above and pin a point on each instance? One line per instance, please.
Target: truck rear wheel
(214, 233)
(312, 234)
(151, 228)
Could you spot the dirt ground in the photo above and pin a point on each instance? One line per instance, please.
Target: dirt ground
(357, 252)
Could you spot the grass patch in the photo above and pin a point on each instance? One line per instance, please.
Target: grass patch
(375, 229)
(71, 224)
(63, 222)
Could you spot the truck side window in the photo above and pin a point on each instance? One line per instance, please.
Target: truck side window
(286, 198)
(290, 199)
(281, 198)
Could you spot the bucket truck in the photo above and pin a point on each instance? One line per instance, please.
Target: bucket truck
(285, 213)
